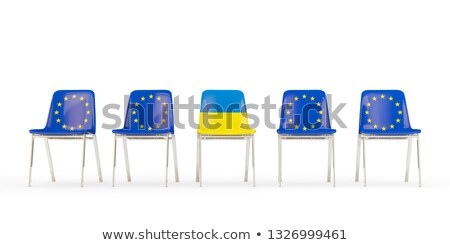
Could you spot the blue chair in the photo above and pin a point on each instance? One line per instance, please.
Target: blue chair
(71, 116)
(223, 115)
(384, 115)
(304, 116)
(149, 116)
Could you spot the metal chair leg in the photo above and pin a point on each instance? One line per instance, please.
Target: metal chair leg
(49, 157)
(197, 178)
(97, 158)
(408, 159)
(253, 160)
(127, 161)
(358, 158)
(364, 160)
(200, 177)
(167, 160)
(83, 161)
(334, 165)
(114, 164)
(329, 160)
(175, 158)
(418, 163)
(280, 152)
(247, 159)
(31, 160)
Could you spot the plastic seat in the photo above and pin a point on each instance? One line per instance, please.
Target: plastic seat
(223, 115)
(384, 115)
(71, 116)
(304, 115)
(149, 116)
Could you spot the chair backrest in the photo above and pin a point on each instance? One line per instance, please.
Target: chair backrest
(304, 110)
(383, 111)
(149, 111)
(72, 110)
(223, 111)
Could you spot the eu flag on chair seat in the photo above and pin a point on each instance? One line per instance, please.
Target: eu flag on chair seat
(71, 116)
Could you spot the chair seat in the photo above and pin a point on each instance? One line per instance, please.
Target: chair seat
(142, 132)
(223, 132)
(307, 132)
(58, 132)
(396, 132)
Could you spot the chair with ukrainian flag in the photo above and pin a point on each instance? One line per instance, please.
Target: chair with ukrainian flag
(149, 116)
(71, 116)
(384, 116)
(223, 115)
(305, 116)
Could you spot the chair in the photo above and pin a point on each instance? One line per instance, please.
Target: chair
(71, 116)
(149, 116)
(384, 115)
(223, 115)
(304, 116)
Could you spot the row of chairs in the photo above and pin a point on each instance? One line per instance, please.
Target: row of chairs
(223, 115)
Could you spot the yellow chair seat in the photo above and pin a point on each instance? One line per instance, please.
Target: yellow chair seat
(224, 123)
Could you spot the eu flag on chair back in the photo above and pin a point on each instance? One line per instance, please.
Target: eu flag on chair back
(305, 112)
(223, 112)
(148, 112)
(384, 112)
(71, 112)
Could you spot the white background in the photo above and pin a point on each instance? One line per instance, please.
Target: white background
(259, 47)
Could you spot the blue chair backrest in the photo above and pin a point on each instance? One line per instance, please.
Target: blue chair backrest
(383, 111)
(304, 110)
(223, 101)
(72, 110)
(150, 110)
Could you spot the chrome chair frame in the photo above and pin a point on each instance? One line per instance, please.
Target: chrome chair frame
(362, 139)
(165, 137)
(248, 138)
(83, 137)
(331, 158)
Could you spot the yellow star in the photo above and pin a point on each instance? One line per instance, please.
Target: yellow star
(163, 120)
(392, 126)
(56, 112)
(133, 112)
(80, 126)
(304, 128)
(397, 104)
(166, 112)
(374, 98)
(400, 112)
(149, 128)
(288, 112)
(318, 103)
(304, 96)
(58, 120)
(164, 104)
(151, 96)
(157, 126)
(290, 103)
(296, 126)
(88, 112)
(369, 120)
(312, 98)
(136, 104)
(368, 104)
(86, 104)
(86, 120)
(375, 126)
(81, 98)
(321, 112)
(383, 128)
(313, 126)
(290, 120)
(59, 104)
(74, 96)
(318, 120)
(398, 120)
(72, 128)
(66, 99)
(158, 98)
(64, 126)
(142, 126)
(143, 98)
(136, 120)
(296, 98)
(391, 98)
(367, 112)
(382, 96)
